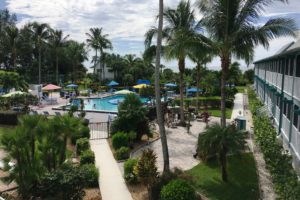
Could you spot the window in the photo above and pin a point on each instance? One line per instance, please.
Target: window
(298, 67)
(295, 122)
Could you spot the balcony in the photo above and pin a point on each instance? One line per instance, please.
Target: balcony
(288, 84)
(296, 88)
(285, 127)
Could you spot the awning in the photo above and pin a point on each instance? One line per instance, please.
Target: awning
(50, 87)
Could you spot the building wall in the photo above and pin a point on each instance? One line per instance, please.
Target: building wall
(104, 73)
(277, 84)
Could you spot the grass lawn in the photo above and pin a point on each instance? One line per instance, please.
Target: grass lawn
(242, 185)
(241, 89)
(217, 112)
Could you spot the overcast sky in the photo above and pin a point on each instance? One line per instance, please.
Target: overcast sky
(125, 21)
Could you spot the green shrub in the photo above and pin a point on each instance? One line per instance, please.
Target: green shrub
(64, 183)
(90, 174)
(87, 157)
(84, 132)
(119, 140)
(178, 190)
(129, 174)
(131, 117)
(279, 163)
(122, 153)
(82, 144)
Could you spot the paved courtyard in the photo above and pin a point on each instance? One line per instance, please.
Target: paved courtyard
(181, 145)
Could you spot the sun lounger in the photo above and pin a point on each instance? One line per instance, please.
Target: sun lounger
(46, 113)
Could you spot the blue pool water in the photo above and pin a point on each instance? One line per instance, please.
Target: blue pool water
(106, 104)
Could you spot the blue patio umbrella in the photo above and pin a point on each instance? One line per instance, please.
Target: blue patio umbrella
(72, 85)
(112, 83)
(193, 90)
(141, 81)
(170, 85)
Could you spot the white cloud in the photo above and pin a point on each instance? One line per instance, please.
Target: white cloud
(126, 21)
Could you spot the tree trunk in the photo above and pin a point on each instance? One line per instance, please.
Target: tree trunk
(198, 86)
(225, 61)
(181, 65)
(95, 65)
(40, 73)
(159, 113)
(223, 162)
(56, 68)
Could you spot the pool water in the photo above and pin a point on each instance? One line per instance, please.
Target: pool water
(106, 104)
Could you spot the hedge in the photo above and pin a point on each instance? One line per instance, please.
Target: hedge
(213, 101)
(278, 161)
(8, 118)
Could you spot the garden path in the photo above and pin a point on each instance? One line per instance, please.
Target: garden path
(112, 183)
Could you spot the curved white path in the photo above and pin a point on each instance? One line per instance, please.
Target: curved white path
(112, 183)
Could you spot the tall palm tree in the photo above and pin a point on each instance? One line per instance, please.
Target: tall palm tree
(57, 41)
(201, 57)
(11, 42)
(159, 112)
(232, 25)
(41, 34)
(219, 141)
(77, 54)
(181, 34)
(99, 42)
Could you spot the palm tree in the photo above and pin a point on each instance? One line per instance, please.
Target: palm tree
(41, 34)
(99, 42)
(219, 141)
(11, 41)
(201, 57)
(181, 35)
(232, 27)
(76, 54)
(159, 112)
(57, 41)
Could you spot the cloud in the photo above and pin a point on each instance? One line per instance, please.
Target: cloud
(126, 21)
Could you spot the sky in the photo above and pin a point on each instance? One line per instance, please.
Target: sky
(126, 21)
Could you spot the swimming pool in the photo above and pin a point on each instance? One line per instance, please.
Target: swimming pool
(105, 104)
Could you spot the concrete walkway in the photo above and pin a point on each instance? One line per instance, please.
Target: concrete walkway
(238, 107)
(112, 183)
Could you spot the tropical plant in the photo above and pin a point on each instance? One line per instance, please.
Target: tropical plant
(131, 110)
(87, 157)
(119, 139)
(178, 190)
(57, 41)
(219, 141)
(234, 32)
(77, 54)
(82, 145)
(10, 80)
(159, 113)
(99, 42)
(40, 34)
(129, 174)
(181, 34)
(201, 57)
(146, 169)
(122, 153)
